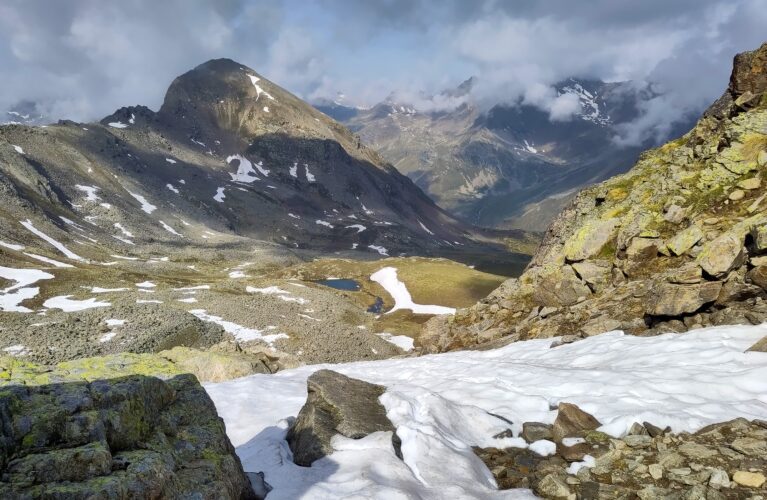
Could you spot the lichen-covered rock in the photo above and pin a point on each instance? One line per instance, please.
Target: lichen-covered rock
(336, 404)
(107, 428)
(685, 240)
(560, 286)
(590, 239)
(722, 255)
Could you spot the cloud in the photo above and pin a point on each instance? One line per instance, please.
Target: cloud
(82, 59)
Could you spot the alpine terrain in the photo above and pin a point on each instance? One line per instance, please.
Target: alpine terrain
(232, 295)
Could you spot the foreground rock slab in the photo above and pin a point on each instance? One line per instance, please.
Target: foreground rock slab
(336, 404)
(99, 431)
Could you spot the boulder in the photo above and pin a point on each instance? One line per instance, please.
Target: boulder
(596, 274)
(210, 366)
(535, 431)
(687, 274)
(722, 255)
(750, 184)
(590, 239)
(599, 325)
(758, 276)
(760, 346)
(571, 421)
(560, 286)
(94, 429)
(336, 404)
(643, 249)
(759, 235)
(673, 300)
(685, 240)
(675, 214)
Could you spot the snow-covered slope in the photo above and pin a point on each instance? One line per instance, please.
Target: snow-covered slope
(442, 405)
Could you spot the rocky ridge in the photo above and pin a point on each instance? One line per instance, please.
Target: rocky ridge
(678, 242)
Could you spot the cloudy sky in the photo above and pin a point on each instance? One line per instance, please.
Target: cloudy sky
(82, 59)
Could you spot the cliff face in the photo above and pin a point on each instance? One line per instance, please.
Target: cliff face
(678, 242)
(105, 428)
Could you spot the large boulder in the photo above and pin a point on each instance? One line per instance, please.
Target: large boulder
(722, 255)
(671, 299)
(571, 421)
(97, 430)
(336, 404)
(685, 240)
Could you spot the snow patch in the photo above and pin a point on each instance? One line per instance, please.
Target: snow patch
(309, 176)
(358, 227)
(18, 149)
(254, 80)
(171, 187)
(90, 192)
(219, 197)
(387, 278)
(72, 305)
(381, 250)
(118, 125)
(56, 244)
(402, 341)
(241, 333)
(145, 205)
(170, 229)
(245, 169)
(12, 296)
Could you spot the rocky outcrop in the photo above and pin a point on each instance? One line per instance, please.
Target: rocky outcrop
(679, 242)
(103, 428)
(721, 461)
(336, 404)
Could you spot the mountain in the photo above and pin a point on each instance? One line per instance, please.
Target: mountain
(231, 153)
(23, 113)
(188, 226)
(512, 165)
(677, 243)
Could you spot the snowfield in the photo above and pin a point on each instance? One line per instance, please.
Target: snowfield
(443, 404)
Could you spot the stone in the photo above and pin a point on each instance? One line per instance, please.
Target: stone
(597, 274)
(673, 300)
(759, 236)
(535, 431)
(560, 287)
(749, 479)
(749, 184)
(655, 470)
(758, 261)
(565, 339)
(654, 430)
(553, 486)
(688, 274)
(571, 421)
(599, 325)
(696, 451)
(545, 312)
(761, 159)
(637, 429)
(336, 404)
(209, 366)
(737, 195)
(643, 249)
(685, 240)
(719, 479)
(675, 214)
(638, 441)
(722, 255)
(750, 446)
(760, 346)
(590, 239)
(758, 276)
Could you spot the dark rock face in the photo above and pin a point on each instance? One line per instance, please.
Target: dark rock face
(123, 438)
(675, 244)
(336, 404)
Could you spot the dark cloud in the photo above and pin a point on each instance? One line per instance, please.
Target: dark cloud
(83, 58)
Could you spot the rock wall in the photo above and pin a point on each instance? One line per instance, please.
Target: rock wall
(678, 242)
(103, 428)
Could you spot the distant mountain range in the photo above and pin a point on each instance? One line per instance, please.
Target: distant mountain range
(510, 166)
